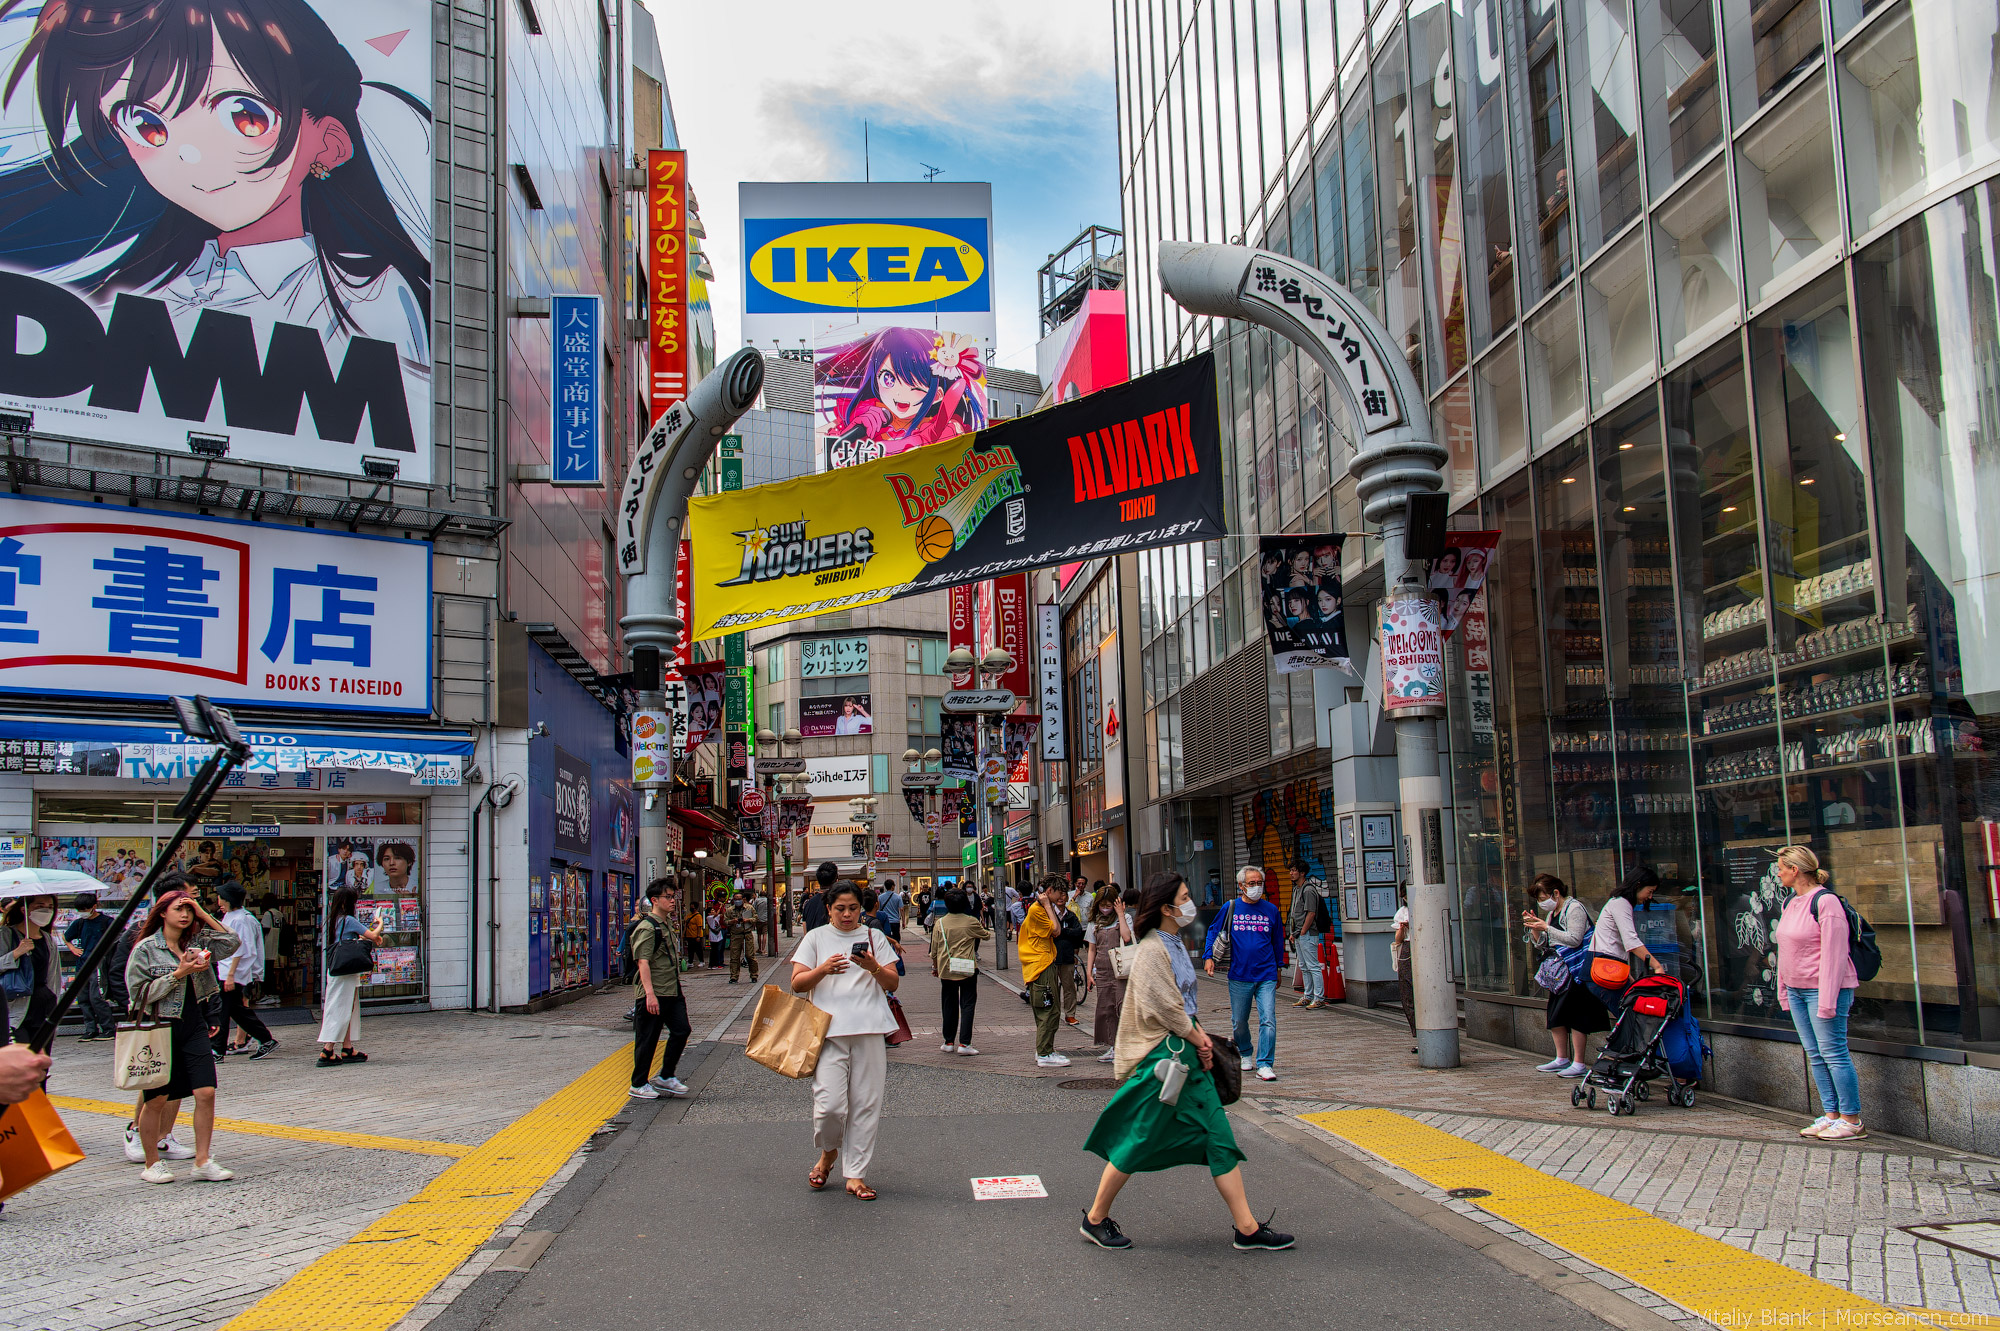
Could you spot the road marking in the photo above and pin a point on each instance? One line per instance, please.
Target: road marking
(1706, 1276)
(372, 1281)
(250, 1127)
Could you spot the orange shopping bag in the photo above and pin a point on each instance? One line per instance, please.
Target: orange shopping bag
(34, 1143)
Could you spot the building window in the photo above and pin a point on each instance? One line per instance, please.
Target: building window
(829, 686)
(774, 663)
(913, 656)
(778, 717)
(924, 722)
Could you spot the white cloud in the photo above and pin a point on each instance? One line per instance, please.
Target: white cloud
(779, 91)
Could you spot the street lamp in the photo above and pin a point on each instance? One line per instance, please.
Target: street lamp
(768, 741)
(992, 667)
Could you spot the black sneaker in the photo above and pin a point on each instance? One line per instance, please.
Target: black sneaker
(1105, 1233)
(1265, 1239)
(263, 1049)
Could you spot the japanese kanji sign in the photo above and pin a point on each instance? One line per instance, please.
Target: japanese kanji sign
(667, 274)
(125, 602)
(576, 426)
(1344, 331)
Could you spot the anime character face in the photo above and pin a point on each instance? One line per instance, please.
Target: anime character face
(901, 396)
(213, 156)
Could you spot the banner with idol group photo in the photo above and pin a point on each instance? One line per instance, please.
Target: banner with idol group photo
(1299, 579)
(1459, 573)
(1130, 468)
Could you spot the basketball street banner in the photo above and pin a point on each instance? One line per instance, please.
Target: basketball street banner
(1128, 468)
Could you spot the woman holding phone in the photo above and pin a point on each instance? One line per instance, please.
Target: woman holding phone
(172, 972)
(340, 1013)
(848, 971)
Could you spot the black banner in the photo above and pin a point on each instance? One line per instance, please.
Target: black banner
(1299, 577)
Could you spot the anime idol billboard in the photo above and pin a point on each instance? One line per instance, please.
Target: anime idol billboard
(889, 290)
(215, 217)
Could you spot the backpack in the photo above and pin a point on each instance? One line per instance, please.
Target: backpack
(1862, 949)
(628, 965)
(1322, 921)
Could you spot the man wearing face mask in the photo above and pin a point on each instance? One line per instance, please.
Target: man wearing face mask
(1256, 947)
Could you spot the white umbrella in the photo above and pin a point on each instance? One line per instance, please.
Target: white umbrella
(48, 882)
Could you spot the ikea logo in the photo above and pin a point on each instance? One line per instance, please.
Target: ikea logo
(798, 265)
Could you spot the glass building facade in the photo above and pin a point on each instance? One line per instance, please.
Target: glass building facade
(1706, 298)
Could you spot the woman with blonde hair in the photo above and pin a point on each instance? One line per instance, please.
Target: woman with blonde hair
(1816, 984)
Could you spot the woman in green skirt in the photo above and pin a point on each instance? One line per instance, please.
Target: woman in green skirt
(1137, 1131)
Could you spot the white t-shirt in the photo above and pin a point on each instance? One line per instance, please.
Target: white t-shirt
(1402, 921)
(853, 998)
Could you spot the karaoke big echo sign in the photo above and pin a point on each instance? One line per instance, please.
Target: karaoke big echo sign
(126, 602)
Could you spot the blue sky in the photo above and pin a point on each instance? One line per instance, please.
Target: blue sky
(1020, 98)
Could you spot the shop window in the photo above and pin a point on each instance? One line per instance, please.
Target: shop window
(1604, 119)
(1579, 723)
(1786, 189)
(1555, 371)
(1618, 319)
(1694, 252)
(1543, 179)
(1930, 339)
(1489, 228)
(409, 813)
(1770, 43)
(1451, 425)
(1919, 106)
(1677, 73)
(93, 809)
(1503, 424)
(1432, 104)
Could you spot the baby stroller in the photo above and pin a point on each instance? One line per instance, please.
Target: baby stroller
(1655, 1036)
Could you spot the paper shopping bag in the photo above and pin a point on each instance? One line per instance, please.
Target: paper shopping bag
(34, 1143)
(786, 1033)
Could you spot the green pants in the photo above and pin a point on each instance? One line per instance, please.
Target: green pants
(1045, 1001)
(742, 952)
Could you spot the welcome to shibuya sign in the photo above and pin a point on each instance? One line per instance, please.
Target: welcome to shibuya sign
(125, 602)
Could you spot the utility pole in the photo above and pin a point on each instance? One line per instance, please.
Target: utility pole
(652, 516)
(1397, 461)
(981, 703)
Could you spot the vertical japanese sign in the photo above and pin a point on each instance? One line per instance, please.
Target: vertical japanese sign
(667, 274)
(1011, 633)
(1049, 679)
(123, 602)
(576, 427)
(1477, 646)
(961, 629)
(684, 606)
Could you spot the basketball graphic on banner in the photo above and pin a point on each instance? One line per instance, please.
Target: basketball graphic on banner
(934, 539)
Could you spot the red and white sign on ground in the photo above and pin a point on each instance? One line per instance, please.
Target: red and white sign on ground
(1008, 1188)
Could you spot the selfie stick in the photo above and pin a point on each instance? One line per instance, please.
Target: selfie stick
(200, 719)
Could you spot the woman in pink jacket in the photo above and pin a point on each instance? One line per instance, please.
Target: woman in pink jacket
(1816, 984)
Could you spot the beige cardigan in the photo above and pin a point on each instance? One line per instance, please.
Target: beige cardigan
(1153, 1007)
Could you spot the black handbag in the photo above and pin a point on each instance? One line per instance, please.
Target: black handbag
(1227, 1068)
(350, 956)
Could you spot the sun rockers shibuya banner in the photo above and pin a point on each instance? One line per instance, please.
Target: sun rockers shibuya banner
(1129, 468)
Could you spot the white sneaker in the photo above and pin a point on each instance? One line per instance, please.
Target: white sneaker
(1248, 1063)
(157, 1172)
(947, 1048)
(1108, 1056)
(966, 1051)
(1556, 1064)
(1051, 1061)
(1575, 1070)
(135, 1150)
(1809, 1130)
(208, 1171)
(1265, 1074)
(675, 1086)
(643, 1091)
(173, 1150)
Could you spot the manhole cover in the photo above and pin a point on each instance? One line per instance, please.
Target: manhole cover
(1465, 1194)
(1088, 1083)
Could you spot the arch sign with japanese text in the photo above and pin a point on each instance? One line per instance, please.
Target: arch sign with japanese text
(124, 602)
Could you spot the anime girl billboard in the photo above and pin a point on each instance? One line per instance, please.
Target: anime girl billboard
(890, 389)
(214, 215)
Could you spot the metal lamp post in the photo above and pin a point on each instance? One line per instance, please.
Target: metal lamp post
(1396, 459)
(768, 740)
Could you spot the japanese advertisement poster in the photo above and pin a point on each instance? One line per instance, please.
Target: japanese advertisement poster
(1303, 614)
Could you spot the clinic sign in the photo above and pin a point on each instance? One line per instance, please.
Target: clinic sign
(129, 603)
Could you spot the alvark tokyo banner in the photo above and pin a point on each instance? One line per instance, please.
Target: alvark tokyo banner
(1130, 468)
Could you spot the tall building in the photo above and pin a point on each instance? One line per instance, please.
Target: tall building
(314, 483)
(1703, 297)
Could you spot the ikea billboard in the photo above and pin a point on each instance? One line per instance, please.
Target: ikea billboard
(845, 259)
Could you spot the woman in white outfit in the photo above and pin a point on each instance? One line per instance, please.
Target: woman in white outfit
(340, 1016)
(848, 971)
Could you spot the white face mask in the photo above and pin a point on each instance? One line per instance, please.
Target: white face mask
(1253, 891)
(1186, 910)
(41, 917)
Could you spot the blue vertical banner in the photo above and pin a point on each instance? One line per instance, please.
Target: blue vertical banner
(577, 432)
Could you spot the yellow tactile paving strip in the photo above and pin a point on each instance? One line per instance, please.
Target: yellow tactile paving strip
(374, 1279)
(359, 1140)
(1706, 1276)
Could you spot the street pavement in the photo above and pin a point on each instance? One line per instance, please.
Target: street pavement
(698, 1208)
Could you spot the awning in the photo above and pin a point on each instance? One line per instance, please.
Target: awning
(139, 748)
(699, 820)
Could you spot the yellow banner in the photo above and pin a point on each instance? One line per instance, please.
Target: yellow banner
(843, 538)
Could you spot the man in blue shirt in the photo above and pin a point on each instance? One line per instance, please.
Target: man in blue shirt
(1256, 956)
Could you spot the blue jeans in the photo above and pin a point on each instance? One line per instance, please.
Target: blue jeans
(1265, 992)
(1315, 972)
(1825, 1041)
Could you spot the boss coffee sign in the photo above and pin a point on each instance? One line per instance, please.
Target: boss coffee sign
(572, 813)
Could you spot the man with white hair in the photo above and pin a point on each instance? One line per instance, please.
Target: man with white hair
(1256, 945)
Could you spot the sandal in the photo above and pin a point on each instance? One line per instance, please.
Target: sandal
(353, 1056)
(816, 1178)
(857, 1189)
